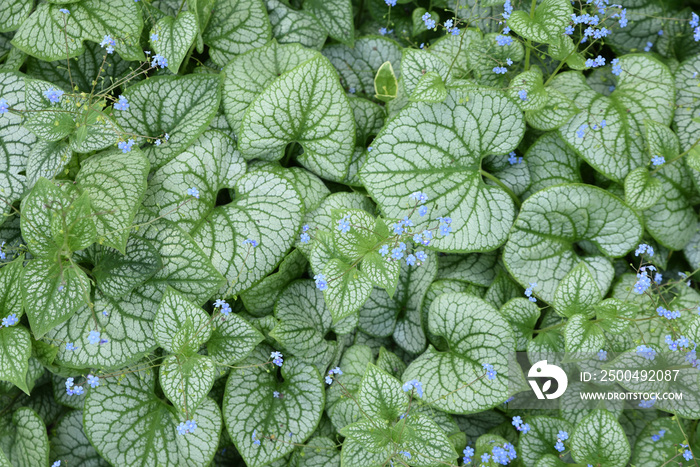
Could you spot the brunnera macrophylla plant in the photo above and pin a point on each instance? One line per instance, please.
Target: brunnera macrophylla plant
(306, 232)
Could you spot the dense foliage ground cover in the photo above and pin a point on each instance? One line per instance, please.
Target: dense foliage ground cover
(339, 232)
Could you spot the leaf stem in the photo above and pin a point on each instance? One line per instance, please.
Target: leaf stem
(510, 192)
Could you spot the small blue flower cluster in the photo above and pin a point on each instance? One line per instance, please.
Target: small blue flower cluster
(503, 40)
(194, 192)
(507, 9)
(122, 104)
(658, 436)
(108, 43)
(450, 28)
(125, 146)
(4, 108)
(647, 404)
(646, 352)
(561, 437)
(490, 372)
(53, 95)
(595, 63)
(72, 390)
(519, 425)
(602, 355)
(277, 358)
(188, 426)
(334, 371)
(502, 455)
(10, 320)
(224, 308)
(528, 292)
(616, 69)
(694, 23)
(678, 344)
(93, 381)
(657, 160)
(254, 436)
(304, 237)
(663, 312)
(428, 20)
(514, 159)
(468, 453)
(413, 384)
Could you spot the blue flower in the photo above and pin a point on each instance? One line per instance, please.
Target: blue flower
(390, 2)
(657, 160)
(351, 90)
(384, 250)
(413, 384)
(406, 454)
(490, 372)
(581, 132)
(305, 238)
(649, 46)
(382, 31)
(421, 256)
(644, 248)
(125, 146)
(65, 12)
(70, 346)
(250, 242)
(277, 358)
(485, 457)
(514, 159)
(646, 352)
(193, 192)
(569, 30)
(500, 70)
(507, 9)
(559, 446)
(108, 43)
(563, 435)
(344, 224)
(602, 355)
(522, 94)
(694, 20)
(321, 283)
(123, 104)
(158, 142)
(94, 337)
(687, 455)
(647, 404)
(154, 37)
(57, 463)
(503, 40)
(418, 196)
(422, 211)
(159, 61)
(623, 18)
(254, 436)
(53, 95)
(10, 320)
(4, 108)
(528, 292)
(93, 381)
(411, 260)
(276, 394)
(428, 20)
(517, 421)
(188, 426)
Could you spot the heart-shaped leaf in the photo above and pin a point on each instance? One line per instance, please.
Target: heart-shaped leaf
(414, 153)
